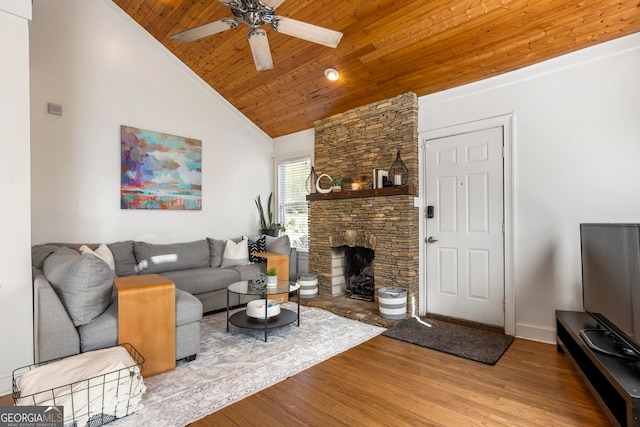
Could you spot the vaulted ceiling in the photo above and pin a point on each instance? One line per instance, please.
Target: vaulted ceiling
(389, 47)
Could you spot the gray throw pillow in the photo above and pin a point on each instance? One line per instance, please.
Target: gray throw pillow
(216, 247)
(279, 245)
(82, 282)
(124, 258)
(39, 253)
(171, 257)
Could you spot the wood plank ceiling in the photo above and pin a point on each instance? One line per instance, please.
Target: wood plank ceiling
(389, 47)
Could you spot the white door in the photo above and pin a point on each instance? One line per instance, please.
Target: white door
(465, 243)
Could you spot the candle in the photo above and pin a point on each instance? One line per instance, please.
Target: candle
(397, 180)
(356, 186)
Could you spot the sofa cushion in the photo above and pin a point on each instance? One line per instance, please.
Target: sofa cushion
(248, 272)
(216, 247)
(201, 280)
(188, 308)
(83, 283)
(171, 257)
(279, 245)
(39, 253)
(102, 332)
(123, 258)
(235, 253)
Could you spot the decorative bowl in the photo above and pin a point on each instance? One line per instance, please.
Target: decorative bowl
(255, 308)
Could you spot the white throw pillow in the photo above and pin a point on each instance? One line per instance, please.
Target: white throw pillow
(102, 252)
(235, 253)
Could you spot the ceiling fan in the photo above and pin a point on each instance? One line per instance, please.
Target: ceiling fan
(255, 13)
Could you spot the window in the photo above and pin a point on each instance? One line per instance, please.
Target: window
(292, 199)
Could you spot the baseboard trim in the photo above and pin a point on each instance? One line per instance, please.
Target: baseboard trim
(536, 333)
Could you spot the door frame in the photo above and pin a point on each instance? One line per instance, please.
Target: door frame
(507, 123)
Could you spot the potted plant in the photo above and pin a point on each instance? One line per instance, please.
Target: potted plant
(272, 277)
(336, 183)
(267, 226)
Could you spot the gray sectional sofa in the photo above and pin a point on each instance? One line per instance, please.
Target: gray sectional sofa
(75, 303)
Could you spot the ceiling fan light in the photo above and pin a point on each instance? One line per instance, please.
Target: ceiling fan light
(332, 74)
(305, 31)
(260, 50)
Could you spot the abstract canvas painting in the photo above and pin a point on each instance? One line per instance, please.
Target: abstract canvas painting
(159, 171)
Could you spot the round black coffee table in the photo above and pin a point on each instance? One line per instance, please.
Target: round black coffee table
(240, 318)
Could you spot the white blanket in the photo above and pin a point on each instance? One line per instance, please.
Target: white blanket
(102, 382)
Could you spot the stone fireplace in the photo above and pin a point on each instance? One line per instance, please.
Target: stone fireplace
(380, 222)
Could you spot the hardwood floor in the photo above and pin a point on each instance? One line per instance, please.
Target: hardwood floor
(386, 382)
(6, 400)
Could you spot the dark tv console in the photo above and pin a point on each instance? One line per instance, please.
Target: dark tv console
(614, 381)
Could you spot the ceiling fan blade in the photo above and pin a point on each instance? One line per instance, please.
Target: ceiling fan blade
(204, 30)
(272, 3)
(305, 31)
(260, 50)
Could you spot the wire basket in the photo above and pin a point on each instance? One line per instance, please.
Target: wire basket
(93, 401)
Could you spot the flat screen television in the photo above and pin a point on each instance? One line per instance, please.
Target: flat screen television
(611, 287)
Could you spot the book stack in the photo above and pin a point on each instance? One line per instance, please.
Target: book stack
(380, 177)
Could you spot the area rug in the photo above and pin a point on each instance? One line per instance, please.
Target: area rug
(235, 364)
(470, 343)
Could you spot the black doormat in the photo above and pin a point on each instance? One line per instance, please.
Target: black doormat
(474, 344)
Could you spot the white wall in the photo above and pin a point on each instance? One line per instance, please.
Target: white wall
(576, 159)
(16, 324)
(294, 144)
(105, 71)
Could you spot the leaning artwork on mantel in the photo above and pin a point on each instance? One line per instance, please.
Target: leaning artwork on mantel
(159, 171)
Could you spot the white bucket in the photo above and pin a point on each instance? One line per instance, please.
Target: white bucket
(392, 303)
(308, 285)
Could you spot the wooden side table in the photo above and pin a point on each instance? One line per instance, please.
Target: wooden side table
(147, 319)
(279, 261)
(281, 264)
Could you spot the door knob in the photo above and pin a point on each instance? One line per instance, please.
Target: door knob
(431, 240)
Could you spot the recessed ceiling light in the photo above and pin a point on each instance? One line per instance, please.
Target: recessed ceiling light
(332, 74)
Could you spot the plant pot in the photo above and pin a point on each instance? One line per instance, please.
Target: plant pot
(337, 188)
(271, 232)
(272, 280)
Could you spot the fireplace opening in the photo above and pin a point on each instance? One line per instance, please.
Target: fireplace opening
(358, 273)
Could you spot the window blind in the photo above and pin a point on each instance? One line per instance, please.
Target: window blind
(292, 201)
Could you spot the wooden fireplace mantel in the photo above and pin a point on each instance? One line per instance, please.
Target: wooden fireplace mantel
(403, 190)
